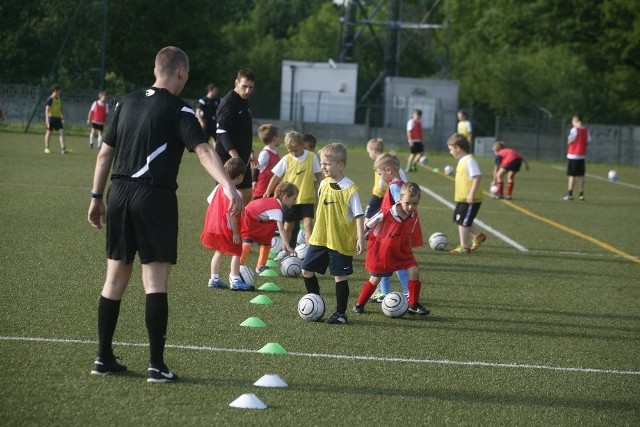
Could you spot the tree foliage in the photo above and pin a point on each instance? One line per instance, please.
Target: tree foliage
(510, 56)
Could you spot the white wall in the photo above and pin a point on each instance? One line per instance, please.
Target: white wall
(318, 92)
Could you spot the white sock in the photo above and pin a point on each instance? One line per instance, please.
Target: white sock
(215, 276)
(91, 139)
(234, 278)
(100, 141)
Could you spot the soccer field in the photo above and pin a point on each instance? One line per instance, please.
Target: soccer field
(540, 326)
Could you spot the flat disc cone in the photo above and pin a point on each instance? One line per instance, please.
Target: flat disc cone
(254, 322)
(273, 348)
(248, 401)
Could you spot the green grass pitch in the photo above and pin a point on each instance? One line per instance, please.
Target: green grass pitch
(547, 334)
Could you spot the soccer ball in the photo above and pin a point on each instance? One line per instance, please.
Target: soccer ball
(493, 189)
(276, 244)
(448, 170)
(311, 307)
(438, 241)
(301, 250)
(300, 240)
(291, 266)
(246, 275)
(612, 175)
(424, 160)
(395, 304)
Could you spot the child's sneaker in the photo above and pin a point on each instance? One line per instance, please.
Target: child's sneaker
(418, 309)
(47, 151)
(460, 250)
(104, 366)
(337, 319)
(261, 269)
(217, 283)
(358, 308)
(377, 297)
(239, 285)
(581, 197)
(160, 374)
(567, 197)
(477, 241)
(508, 197)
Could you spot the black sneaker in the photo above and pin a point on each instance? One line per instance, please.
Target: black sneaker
(337, 319)
(160, 374)
(104, 366)
(358, 308)
(418, 309)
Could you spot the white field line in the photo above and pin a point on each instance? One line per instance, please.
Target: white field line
(600, 178)
(345, 357)
(482, 224)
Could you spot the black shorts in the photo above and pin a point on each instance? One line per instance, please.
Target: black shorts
(298, 212)
(55, 123)
(465, 213)
(142, 219)
(318, 258)
(248, 179)
(514, 166)
(375, 203)
(97, 126)
(576, 167)
(210, 130)
(417, 147)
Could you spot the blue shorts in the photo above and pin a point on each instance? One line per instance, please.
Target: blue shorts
(318, 258)
(375, 203)
(465, 213)
(514, 166)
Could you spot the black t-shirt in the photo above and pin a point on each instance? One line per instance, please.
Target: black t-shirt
(209, 108)
(235, 127)
(149, 132)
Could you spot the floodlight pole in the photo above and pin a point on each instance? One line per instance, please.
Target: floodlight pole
(105, 11)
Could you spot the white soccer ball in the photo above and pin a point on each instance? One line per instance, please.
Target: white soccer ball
(438, 241)
(395, 304)
(276, 244)
(311, 307)
(612, 175)
(301, 250)
(493, 189)
(291, 266)
(246, 274)
(449, 170)
(424, 160)
(300, 240)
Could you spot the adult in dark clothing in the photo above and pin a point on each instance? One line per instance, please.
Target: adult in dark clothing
(150, 130)
(206, 111)
(235, 127)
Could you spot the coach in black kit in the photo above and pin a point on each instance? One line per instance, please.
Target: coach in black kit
(235, 127)
(207, 109)
(150, 130)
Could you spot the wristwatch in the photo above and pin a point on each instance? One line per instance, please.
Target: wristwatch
(95, 195)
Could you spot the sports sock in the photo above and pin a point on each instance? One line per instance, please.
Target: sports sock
(312, 285)
(215, 276)
(264, 255)
(99, 140)
(342, 296)
(246, 250)
(509, 188)
(108, 312)
(156, 319)
(500, 189)
(403, 276)
(367, 290)
(414, 291)
(91, 139)
(385, 285)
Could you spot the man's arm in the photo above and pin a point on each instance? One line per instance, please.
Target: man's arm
(97, 210)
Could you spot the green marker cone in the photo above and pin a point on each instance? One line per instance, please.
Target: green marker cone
(268, 273)
(271, 263)
(254, 322)
(272, 348)
(269, 287)
(262, 299)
